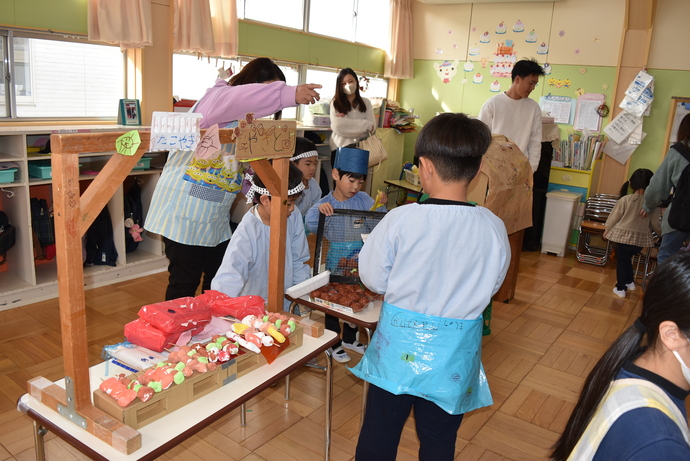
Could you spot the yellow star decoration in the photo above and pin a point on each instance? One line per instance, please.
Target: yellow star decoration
(605, 86)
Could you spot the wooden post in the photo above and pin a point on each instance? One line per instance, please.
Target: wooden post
(276, 180)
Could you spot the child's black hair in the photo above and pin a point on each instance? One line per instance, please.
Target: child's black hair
(294, 179)
(303, 145)
(455, 144)
(638, 180)
(343, 173)
(526, 67)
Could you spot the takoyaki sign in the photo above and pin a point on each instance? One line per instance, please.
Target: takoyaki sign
(257, 139)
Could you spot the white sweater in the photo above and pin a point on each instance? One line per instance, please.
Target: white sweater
(517, 119)
(354, 127)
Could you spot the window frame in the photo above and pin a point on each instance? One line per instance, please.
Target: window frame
(7, 35)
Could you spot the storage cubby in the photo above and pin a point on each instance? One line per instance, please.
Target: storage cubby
(24, 278)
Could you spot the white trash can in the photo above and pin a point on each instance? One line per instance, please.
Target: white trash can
(560, 208)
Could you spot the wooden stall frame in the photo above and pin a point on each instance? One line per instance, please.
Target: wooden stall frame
(74, 213)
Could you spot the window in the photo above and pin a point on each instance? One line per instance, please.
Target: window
(362, 21)
(286, 13)
(62, 79)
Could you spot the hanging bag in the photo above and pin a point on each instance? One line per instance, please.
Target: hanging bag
(7, 236)
(377, 153)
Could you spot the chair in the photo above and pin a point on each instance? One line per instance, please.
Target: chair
(592, 248)
(647, 259)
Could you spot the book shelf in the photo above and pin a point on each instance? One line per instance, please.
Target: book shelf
(26, 278)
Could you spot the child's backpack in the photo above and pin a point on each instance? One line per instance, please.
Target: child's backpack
(134, 218)
(100, 247)
(679, 214)
(43, 226)
(7, 236)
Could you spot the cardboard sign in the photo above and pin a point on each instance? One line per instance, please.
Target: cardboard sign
(257, 139)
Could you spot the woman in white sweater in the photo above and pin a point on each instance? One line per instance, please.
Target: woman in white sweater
(352, 118)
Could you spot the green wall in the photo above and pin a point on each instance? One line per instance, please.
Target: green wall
(427, 94)
(58, 15)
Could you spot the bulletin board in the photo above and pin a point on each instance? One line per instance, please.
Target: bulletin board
(680, 107)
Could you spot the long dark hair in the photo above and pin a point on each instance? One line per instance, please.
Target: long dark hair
(455, 144)
(340, 101)
(667, 298)
(259, 70)
(638, 180)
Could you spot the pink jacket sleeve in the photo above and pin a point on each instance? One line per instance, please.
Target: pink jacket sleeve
(223, 103)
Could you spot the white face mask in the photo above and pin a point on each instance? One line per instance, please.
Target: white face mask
(686, 370)
(349, 88)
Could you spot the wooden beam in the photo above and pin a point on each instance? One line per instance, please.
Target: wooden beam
(276, 181)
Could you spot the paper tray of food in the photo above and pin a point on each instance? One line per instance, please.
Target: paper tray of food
(309, 285)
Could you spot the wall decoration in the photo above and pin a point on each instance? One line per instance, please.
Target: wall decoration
(484, 61)
(596, 39)
(605, 86)
(495, 87)
(478, 78)
(468, 67)
(547, 68)
(505, 58)
(543, 48)
(439, 51)
(485, 38)
(579, 92)
(455, 46)
(474, 50)
(561, 108)
(463, 81)
(474, 29)
(531, 37)
(518, 26)
(450, 32)
(501, 28)
(561, 33)
(583, 70)
(446, 70)
(586, 114)
(577, 51)
(558, 83)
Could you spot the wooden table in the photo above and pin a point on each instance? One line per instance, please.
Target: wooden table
(368, 318)
(402, 184)
(169, 431)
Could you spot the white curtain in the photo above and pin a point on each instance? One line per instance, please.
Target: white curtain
(123, 22)
(400, 62)
(206, 26)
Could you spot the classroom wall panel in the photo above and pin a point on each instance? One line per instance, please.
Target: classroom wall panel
(441, 31)
(587, 32)
(670, 36)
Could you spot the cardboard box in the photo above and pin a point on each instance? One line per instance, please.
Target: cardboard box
(138, 414)
(247, 362)
(200, 384)
(312, 327)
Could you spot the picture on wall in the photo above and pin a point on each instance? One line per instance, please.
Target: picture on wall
(129, 112)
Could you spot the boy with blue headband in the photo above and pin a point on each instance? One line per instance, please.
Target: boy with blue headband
(438, 264)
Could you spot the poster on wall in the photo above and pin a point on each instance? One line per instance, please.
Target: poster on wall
(561, 108)
(586, 115)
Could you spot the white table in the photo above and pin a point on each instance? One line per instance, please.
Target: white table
(168, 431)
(367, 318)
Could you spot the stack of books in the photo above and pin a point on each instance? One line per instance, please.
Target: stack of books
(579, 151)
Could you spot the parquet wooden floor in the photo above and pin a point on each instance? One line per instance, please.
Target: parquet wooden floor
(542, 346)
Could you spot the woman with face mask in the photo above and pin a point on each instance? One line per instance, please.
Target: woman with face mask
(632, 406)
(352, 118)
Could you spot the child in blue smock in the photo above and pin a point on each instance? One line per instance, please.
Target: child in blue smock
(306, 158)
(244, 270)
(344, 232)
(438, 264)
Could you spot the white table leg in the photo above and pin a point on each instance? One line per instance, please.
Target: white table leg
(39, 442)
(329, 396)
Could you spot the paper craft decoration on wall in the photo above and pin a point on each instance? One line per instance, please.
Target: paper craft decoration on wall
(519, 26)
(495, 87)
(258, 139)
(474, 50)
(505, 58)
(478, 78)
(128, 143)
(485, 38)
(543, 48)
(468, 66)
(446, 70)
(501, 28)
(174, 131)
(532, 37)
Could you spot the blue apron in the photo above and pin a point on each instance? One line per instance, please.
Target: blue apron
(435, 358)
